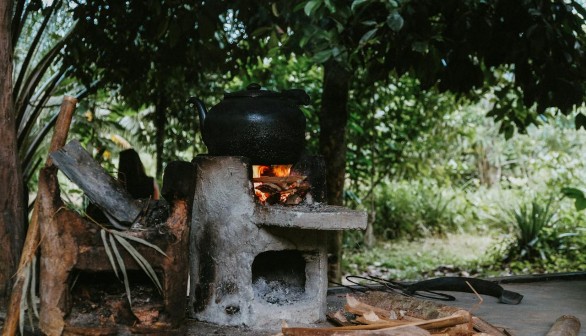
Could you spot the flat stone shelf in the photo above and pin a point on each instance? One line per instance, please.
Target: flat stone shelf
(311, 217)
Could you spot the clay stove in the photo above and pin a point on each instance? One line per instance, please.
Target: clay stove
(254, 264)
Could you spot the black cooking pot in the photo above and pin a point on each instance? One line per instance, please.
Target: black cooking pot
(266, 126)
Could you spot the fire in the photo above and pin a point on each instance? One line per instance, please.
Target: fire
(274, 170)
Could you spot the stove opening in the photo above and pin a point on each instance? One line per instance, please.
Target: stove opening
(277, 185)
(278, 277)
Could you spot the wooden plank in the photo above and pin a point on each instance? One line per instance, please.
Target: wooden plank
(565, 325)
(101, 188)
(32, 237)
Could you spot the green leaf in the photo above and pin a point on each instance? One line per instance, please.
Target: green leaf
(367, 36)
(261, 31)
(311, 7)
(357, 3)
(573, 192)
(580, 204)
(322, 56)
(369, 23)
(395, 21)
(577, 195)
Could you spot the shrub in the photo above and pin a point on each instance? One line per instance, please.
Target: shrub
(414, 209)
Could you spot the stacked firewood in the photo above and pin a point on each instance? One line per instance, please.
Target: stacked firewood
(285, 190)
(360, 318)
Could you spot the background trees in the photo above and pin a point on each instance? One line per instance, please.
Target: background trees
(378, 73)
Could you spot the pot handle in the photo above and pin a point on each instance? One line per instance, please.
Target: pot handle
(201, 110)
(298, 95)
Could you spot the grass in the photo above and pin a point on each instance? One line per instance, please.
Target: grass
(417, 259)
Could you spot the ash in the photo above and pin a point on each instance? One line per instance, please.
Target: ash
(277, 292)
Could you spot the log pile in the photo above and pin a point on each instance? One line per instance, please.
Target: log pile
(380, 313)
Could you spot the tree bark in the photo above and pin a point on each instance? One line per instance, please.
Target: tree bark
(160, 123)
(332, 142)
(12, 208)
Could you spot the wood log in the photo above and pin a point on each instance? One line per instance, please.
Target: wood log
(338, 318)
(407, 331)
(32, 237)
(414, 309)
(460, 317)
(485, 327)
(565, 325)
(101, 188)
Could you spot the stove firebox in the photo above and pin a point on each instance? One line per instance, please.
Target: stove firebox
(254, 264)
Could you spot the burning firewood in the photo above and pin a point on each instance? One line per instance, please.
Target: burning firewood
(285, 190)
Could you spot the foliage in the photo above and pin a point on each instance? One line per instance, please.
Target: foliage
(415, 209)
(40, 31)
(533, 225)
(418, 258)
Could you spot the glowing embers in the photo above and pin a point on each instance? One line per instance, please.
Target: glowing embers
(276, 185)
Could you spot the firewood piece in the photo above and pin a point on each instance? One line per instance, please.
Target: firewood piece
(338, 318)
(372, 318)
(273, 199)
(421, 309)
(355, 306)
(407, 331)
(565, 325)
(485, 327)
(268, 188)
(279, 179)
(460, 317)
(32, 236)
(102, 189)
(178, 181)
(293, 199)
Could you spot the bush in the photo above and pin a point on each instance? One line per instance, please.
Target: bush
(546, 237)
(415, 209)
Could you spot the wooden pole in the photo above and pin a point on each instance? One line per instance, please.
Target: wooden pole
(32, 237)
(565, 325)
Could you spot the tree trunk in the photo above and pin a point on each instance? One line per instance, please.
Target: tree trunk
(12, 208)
(160, 124)
(332, 142)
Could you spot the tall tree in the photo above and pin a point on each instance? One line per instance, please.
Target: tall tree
(12, 208)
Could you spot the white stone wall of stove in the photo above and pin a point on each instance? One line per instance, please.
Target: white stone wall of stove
(225, 242)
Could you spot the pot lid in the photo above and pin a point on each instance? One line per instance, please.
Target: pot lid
(254, 90)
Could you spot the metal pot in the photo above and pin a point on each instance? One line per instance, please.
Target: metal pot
(266, 126)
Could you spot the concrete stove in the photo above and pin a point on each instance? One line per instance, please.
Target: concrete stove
(252, 264)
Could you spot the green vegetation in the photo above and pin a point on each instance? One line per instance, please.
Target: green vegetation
(515, 222)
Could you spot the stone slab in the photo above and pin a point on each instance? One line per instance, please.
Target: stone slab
(315, 217)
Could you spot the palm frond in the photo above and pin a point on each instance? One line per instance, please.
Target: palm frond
(111, 239)
(122, 267)
(139, 240)
(142, 262)
(109, 252)
(24, 295)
